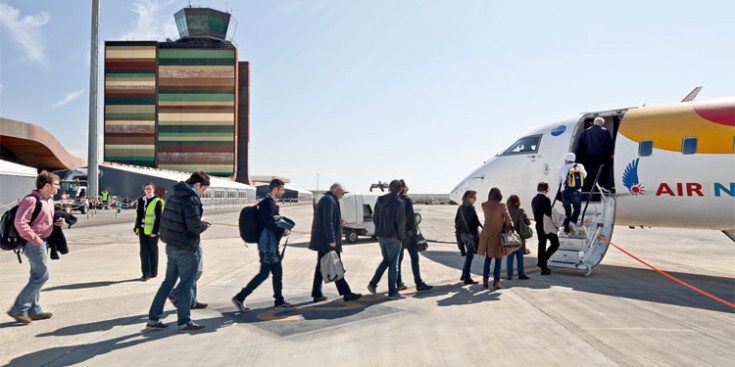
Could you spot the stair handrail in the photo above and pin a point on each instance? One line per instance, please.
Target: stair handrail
(591, 193)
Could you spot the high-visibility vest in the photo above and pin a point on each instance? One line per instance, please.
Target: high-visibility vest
(150, 216)
(105, 196)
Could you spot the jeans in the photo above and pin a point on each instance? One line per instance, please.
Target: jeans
(414, 264)
(27, 301)
(470, 254)
(148, 254)
(519, 255)
(496, 270)
(390, 248)
(181, 264)
(266, 267)
(571, 199)
(316, 290)
(200, 270)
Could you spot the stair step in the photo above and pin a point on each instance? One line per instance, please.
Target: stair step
(570, 243)
(567, 256)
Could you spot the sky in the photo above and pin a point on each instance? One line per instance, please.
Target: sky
(366, 90)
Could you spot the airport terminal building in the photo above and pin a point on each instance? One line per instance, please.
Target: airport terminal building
(179, 105)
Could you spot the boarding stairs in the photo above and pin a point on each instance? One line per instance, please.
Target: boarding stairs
(582, 249)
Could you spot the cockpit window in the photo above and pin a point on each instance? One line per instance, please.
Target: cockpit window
(525, 145)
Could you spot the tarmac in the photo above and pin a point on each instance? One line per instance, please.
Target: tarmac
(623, 314)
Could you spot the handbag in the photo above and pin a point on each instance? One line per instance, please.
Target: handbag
(473, 238)
(525, 231)
(509, 238)
(331, 267)
(419, 241)
(510, 241)
(551, 223)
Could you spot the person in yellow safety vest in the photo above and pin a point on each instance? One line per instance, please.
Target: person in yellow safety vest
(105, 196)
(148, 218)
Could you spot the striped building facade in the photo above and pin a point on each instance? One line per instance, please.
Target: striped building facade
(174, 105)
(130, 102)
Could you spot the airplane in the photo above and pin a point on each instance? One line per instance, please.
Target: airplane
(673, 166)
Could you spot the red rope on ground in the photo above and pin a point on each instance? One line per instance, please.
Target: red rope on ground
(664, 273)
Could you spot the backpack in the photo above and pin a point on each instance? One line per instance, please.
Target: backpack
(248, 224)
(574, 180)
(9, 237)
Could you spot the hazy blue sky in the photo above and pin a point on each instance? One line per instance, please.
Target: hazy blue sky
(360, 91)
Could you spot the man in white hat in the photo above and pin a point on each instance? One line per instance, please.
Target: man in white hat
(571, 179)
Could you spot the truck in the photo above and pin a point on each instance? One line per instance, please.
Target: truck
(72, 196)
(357, 210)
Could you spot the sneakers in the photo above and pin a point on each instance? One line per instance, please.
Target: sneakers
(199, 305)
(42, 316)
(155, 325)
(239, 305)
(423, 287)
(285, 305)
(23, 319)
(396, 296)
(371, 289)
(352, 296)
(402, 287)
(191, 326)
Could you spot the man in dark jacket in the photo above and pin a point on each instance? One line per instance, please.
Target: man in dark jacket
(181, 226)
(326, 236)
(147, 227)
(595, 148)
(270, 262)
(410, 245)
(541, 205)
(390, 228)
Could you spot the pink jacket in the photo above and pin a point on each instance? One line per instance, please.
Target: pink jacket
(44, 223)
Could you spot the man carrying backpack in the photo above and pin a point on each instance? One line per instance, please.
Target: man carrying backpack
(35, 232)
(270, 262)
(571, 180)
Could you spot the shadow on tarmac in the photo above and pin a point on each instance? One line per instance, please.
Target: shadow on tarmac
(612, 280)
(75, 354)
(89, 285)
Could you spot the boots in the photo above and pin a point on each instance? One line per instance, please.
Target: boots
(484, 282)
(496, 285)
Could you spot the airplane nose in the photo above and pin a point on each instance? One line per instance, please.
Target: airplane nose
(456, 194)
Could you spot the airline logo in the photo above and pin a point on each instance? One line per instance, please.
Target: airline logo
(630, 179)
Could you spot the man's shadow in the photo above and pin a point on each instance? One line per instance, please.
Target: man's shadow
(89, 285)
(75, 354)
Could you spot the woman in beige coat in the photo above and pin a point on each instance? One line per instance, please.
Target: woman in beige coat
(496, 218)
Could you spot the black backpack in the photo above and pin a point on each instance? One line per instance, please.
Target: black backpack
(9, 237)
(249, 224)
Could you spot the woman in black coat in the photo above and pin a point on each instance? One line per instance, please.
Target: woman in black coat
(465, 227)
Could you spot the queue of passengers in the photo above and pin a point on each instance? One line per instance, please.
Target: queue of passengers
(180, 224)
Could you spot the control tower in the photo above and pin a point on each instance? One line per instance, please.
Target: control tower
(181, 105)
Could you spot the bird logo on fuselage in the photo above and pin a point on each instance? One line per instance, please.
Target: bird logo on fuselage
(630, 178)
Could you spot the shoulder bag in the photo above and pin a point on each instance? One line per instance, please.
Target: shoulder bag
(419, 241)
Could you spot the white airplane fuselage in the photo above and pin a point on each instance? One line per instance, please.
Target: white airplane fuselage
(670, 187)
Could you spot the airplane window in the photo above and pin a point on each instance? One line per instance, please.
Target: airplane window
(645, 148)
(526, 145)
(689, 145)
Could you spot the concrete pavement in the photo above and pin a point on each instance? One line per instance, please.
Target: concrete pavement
(623, 314)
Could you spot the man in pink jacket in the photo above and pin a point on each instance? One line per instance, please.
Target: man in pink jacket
(26, 307)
